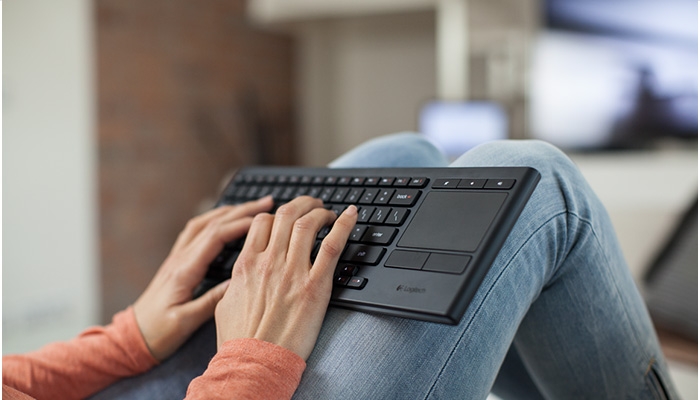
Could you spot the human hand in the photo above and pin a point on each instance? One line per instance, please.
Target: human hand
(166, 313)
(276, 294)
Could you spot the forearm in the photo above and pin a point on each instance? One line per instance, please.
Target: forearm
(249, 369)
(77, 368)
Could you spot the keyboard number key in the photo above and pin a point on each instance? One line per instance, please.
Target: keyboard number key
(396, 216)
(380, 215)
(365, 214)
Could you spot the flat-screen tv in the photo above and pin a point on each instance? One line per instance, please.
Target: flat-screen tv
(615, 73)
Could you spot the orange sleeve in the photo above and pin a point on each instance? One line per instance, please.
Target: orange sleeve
(249, 369)
(82, 366)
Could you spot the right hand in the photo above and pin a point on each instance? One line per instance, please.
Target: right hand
(275, 293)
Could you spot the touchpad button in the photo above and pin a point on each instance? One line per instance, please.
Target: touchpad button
(452, 221)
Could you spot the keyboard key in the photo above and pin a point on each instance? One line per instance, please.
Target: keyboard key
(357, 233)
(338, 209)
(330, 180)
(339, 195)
(445, 183)
(499, 184)
(418, 182)
(326, 194)
(353, 195)
(406, 259)
(386, 181)
(379, 215)
(378, 235)
(372, 181)
(318, 180)
(343, 180)
(357, 181)
(402, 181)
(449, 263)
(384, 196)
(314, 191)
(301, 191)
(396, 216)
(252, 192)
(405, 197)
(264, 191)
(471, 183)
(369, 195)
(287, 193)
(363, 254)
(341, 280)
(364, 214)
(349, 270)
(356, 282)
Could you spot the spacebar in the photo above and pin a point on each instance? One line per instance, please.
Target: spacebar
(360, 253)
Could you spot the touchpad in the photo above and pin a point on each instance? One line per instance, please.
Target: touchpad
(452, 221)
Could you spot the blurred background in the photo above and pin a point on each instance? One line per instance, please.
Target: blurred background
(122, 119)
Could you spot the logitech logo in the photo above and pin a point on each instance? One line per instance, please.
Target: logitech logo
(409, 289)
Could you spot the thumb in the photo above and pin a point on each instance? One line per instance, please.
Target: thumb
(202, 308)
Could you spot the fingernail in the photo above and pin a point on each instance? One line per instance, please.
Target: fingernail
(265, 199)
(351, 210)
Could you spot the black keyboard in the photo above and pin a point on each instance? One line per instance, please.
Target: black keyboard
(424, 239)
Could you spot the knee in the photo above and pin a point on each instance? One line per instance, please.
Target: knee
(403, 149)
(537, 154)
(406, 140)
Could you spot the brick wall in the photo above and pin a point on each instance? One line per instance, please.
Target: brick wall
(187, 91)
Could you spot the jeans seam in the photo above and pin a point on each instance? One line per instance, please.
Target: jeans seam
(618, 291)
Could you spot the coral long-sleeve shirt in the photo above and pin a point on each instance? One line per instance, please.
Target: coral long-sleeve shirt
(100, 356)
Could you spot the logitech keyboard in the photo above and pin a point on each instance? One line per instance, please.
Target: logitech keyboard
(424, 238)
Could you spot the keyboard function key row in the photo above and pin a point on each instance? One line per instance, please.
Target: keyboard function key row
(457, 183)
(331, 180)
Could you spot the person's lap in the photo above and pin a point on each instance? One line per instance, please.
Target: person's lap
(550, 298)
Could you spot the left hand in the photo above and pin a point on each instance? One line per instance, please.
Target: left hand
(166, 313)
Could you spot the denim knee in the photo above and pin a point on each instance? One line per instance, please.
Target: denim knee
(403, 149)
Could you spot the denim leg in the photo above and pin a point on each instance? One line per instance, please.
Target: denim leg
(559, 291)
(403, 149)
(559, 296)
(170, 379)
(587, 333)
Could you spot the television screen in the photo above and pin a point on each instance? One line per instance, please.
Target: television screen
(456, 127)
(615, 73)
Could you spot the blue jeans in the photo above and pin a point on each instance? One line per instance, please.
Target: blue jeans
(557, 316)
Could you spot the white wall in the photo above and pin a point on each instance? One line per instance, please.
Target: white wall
(49, 167)
(359, 78)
